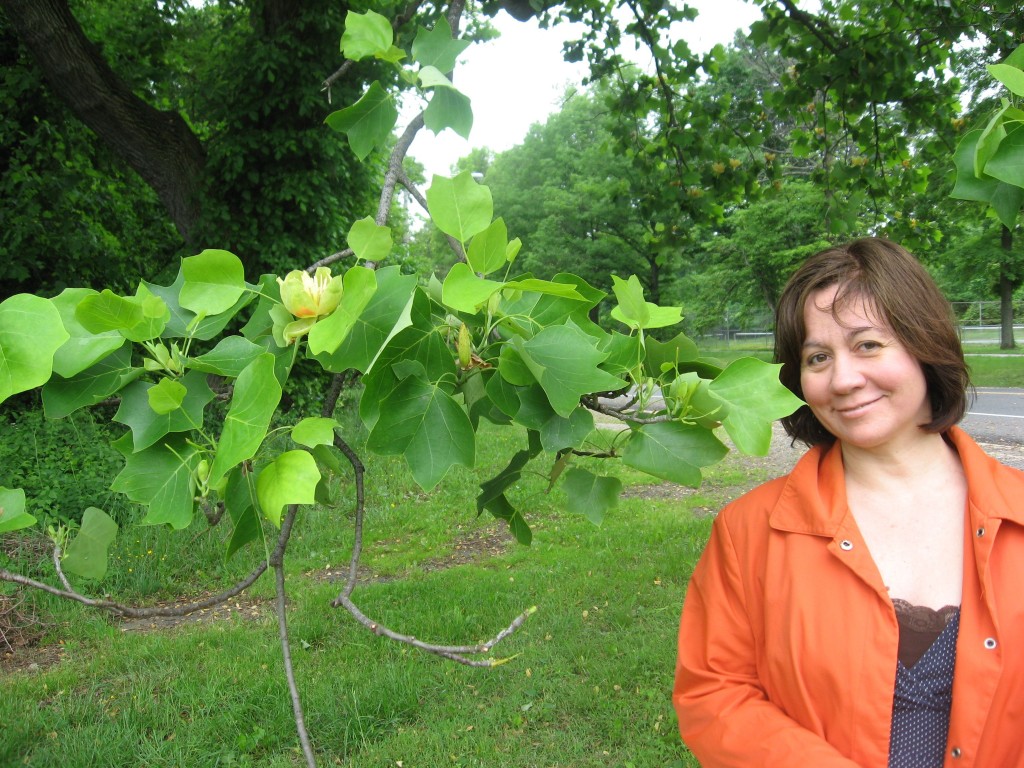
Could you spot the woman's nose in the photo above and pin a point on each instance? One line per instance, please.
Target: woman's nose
(846, 373)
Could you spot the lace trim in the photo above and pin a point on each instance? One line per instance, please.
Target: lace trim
(921, 618)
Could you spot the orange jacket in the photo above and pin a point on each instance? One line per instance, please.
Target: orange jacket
(787, 645)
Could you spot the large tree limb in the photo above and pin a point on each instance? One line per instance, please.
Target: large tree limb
(158, 145)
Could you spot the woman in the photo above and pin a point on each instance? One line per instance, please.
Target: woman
(868, 608)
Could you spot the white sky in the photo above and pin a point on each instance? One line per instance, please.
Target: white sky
(518, 79)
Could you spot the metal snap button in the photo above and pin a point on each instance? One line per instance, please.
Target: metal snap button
(990, 643)
(846, 544)
(980, 532)
(955, 752)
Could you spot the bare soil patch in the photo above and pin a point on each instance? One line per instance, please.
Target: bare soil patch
(469, 547)
(239, 607)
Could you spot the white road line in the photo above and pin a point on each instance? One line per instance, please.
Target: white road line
(995, 415)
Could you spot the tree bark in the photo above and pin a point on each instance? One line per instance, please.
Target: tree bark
(158, 145)
(1006, 287)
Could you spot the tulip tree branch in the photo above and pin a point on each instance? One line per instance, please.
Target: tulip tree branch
(129, 611)
(276, 561)
(460, 653)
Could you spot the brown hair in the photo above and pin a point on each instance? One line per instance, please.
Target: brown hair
(908, 302)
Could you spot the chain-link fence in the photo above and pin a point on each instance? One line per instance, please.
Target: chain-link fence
(979, 324)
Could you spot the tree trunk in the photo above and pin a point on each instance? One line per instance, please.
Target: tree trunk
(158, 145)
(1006, 297)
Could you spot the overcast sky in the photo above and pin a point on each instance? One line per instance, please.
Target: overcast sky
(518, 79)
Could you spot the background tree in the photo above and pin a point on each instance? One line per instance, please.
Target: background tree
(217, 109)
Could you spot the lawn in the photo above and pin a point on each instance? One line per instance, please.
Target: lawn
(586, 683)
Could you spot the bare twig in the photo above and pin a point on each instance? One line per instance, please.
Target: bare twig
(459, 653)
(119, 609)
(281, 605)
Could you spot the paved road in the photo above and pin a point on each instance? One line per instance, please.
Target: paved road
(997, 415)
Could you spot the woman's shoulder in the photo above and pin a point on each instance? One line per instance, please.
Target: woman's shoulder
(759, 503)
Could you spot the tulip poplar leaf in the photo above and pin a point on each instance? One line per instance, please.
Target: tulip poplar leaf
(86, 555)
(31, 332)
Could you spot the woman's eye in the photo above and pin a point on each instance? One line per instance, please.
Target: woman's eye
(816, 359)
(870, 346)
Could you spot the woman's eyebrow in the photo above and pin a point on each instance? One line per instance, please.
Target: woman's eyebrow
(848, 334)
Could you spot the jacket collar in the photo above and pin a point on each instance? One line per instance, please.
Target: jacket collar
(813, 499)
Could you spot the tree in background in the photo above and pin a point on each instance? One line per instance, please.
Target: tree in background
(64, 196)
(739, 271)
(217, 109)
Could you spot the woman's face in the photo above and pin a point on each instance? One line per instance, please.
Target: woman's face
(859, 381)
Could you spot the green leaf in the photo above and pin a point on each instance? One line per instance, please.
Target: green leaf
(106, 311)
(291, 478)
(239, 505)
(162, 477)
(83, 349)
(632, 306)
(548, 287)
(214, 281)
(93, 385)
(31, 332)
(147, 425)
(386, 314)
(166, 396)
(369, 241)
(432, 77)
(184, 323)
(86, 555)
(564, 361)
(590, 495)
(368, 122)
(755, 398)
(459, 207)
(229, 358)
(436, 48)
(487, 250)
(1007, 162)
(13, 516)
(513, 368)
(991, 136)
(673, 451)
(559, 433)
(422, 422)
(255, 398)
(260, 322)
(329, 333)
(1008, 75)
(463, 291)
(492, 493)
(663, 356)
(633, 311)
(155, 316)
(315, 430)
(366, 34)
(1005, 199)
(449, 108)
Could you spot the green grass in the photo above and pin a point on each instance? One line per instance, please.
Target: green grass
(587, 683)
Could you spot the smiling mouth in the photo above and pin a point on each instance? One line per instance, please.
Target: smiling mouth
(856, 410)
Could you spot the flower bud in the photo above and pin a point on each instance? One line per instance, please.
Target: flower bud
(465, 347)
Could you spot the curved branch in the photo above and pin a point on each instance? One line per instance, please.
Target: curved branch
(459, 653)
(119, 609)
